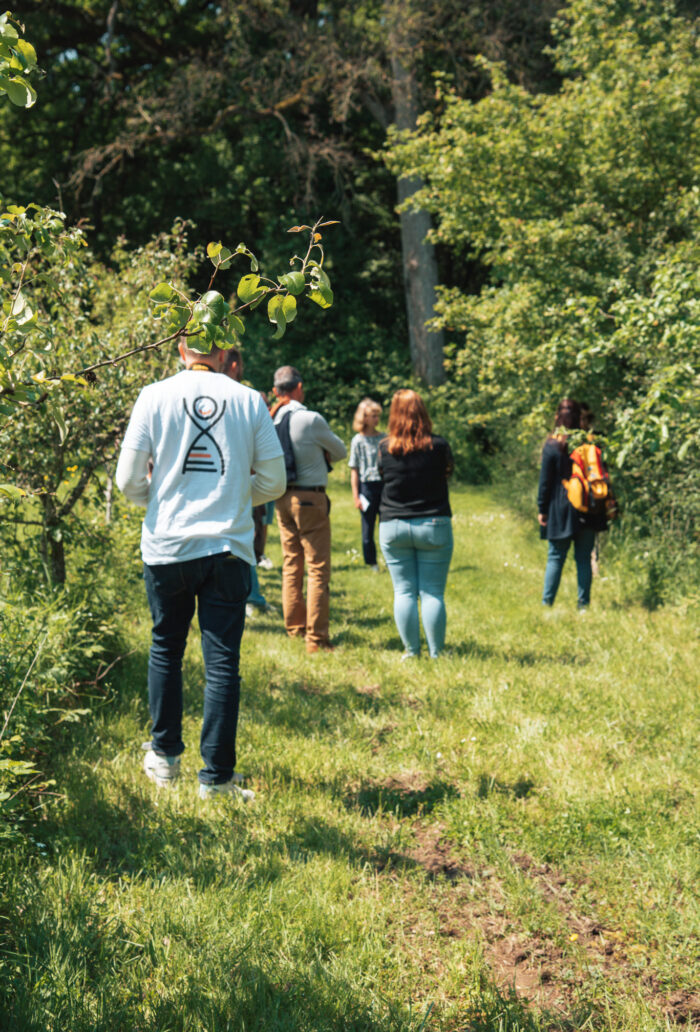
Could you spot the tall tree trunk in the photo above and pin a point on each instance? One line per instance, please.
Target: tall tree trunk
(108, 498)
(419, 264)
(52, 549)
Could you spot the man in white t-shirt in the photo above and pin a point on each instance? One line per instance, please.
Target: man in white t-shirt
(205, 434)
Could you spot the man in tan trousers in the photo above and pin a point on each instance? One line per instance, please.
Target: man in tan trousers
(303, 513)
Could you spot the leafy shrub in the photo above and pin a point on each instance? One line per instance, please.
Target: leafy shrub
(584, 208)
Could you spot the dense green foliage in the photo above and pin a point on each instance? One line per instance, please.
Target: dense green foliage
(584, 208)
(413, 824)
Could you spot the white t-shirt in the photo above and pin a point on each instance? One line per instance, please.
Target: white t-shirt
(204, 432)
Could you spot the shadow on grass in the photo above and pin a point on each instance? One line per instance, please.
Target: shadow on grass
(230, 988)
(472, 649)
(488, 784)
(404, 795)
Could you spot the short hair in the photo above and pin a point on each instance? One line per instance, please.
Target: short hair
(184, 341)
(366, 406)
(410, 426)
(286, 379)
(232, 355)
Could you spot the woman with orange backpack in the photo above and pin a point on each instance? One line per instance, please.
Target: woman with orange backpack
(560, 523)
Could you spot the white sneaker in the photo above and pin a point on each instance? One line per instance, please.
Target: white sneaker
(246, 795)
(265, 563)
(164, 770)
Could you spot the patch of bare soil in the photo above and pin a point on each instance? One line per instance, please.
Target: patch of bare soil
(684, 1007)
(405, 792)
(606, 950)
(435, 855)
(469, 901)
(309, 688)
(370, 691)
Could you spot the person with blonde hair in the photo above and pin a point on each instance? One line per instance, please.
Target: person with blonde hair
(415, 521)
(365, 480)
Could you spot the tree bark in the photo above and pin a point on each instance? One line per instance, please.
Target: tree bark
(52, 549)
(419, 265)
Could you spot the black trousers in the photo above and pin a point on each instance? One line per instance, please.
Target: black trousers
(372, 490)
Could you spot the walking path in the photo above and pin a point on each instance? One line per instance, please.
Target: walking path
(505, 838)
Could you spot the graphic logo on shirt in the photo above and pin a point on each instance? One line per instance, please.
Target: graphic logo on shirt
(204, 455)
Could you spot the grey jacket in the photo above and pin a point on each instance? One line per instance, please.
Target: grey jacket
(310, 436)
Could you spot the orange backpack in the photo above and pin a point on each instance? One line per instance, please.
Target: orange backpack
(589, 489)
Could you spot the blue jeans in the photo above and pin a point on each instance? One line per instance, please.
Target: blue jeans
(255, 595)
(219, 585)
(417, 552)
(583, 541)
(372, 490)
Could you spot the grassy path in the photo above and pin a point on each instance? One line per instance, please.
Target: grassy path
(503, 839)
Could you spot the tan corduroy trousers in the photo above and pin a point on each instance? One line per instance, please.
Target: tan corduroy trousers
(305, 536)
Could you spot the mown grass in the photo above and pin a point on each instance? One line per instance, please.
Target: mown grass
(503, 839)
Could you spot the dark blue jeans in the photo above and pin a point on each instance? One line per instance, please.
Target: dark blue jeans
(372, 490)
(219, 585)
(583, 541)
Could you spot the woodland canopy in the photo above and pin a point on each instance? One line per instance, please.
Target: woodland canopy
(545, 161)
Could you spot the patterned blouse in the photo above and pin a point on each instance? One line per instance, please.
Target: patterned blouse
(363, 457)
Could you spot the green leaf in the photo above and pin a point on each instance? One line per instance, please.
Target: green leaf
(249, 288)
(8, 32)
(294, 282)
(60, 421)
(322, 296)
(20, 92)
(289, 308)
(10, 491)
(27, 53)
(213, 250)
(215, 304)
(225, 258)
(237, 325)
(319, 276)
(162, 293)
(274, 308)
(201, 342)
(21, 310)
(275, 313)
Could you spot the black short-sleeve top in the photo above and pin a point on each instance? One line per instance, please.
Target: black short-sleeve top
(415, 484)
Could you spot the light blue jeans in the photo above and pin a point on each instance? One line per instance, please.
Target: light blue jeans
(417, 553)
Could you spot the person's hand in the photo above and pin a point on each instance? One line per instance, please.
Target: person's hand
(358, 503)
(541, 519)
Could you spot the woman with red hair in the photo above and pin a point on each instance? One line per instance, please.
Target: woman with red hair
(415, 521)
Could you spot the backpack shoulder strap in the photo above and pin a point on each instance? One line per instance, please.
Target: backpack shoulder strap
(283, 432)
